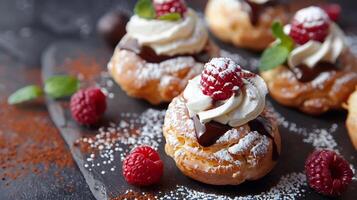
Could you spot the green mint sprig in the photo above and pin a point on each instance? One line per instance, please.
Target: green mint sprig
(171, 17)
(26, 93)
(61, 86)
(55, 87)
(145, 9)
(278, 53)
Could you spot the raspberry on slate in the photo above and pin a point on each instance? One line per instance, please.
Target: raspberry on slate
(310, 23)
(328, 173)
(221, 78)
(163, 7)
(143, 167)
(88, 105)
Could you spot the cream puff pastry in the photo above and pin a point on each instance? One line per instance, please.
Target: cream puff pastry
(158, 55)
(351, 122)
(319, 72)
(245, 23)
(219, 130)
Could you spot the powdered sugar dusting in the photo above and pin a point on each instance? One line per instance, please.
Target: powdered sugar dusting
(222, 67)
(122, 61)
(106, 84)
(311, 16)
(115, 141)
(261, 148)
(223, 154)
(229, 135)
(244, 143)
(288, 188)
(319, 138)
(155, 71)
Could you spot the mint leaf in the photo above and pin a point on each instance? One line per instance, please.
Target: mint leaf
(278, 53)
(278, 31)
(25, 94)
(145, 9)
(273, 57)
(171, 17)
(61, 86)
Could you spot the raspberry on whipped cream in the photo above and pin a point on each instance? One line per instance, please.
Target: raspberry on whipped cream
(164, 7)
(221, 78)
(310, 23)
(236, 108)
(318, 38)
(185, 36)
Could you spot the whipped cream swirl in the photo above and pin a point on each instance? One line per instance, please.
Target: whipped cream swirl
(239, 109)
(314, 52)
(259, 1)
(185, 36)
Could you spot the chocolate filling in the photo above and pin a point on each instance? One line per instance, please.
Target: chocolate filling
(263, 127)
(306, 74)
(207, 134)
(148, 54)
(256, 10)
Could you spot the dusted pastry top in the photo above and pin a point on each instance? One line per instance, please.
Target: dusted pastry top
(313, 52)
(185, 36)
(244, 105)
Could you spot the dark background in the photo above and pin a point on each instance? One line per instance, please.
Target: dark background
(27, 27)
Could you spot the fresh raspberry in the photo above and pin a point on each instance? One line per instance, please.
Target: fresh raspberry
(310, 23)
(328, 173)
(88, 105)
(143, 167)
(164, 7)
(221, 78)
(333, 10)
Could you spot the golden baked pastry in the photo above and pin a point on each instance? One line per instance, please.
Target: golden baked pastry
(161, 52)
(328, 91)
(351, 122)
(155, 82)
(231, 21)
(239, 155)
(220, 131)
(319, 71)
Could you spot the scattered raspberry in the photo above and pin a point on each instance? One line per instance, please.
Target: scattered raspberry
(221, 78)
(328, 173)
(143, 167)
(88, 105)
(163, 7)
(333, 11)
(310, 23)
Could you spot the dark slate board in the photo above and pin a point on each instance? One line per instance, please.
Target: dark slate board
(111, 184)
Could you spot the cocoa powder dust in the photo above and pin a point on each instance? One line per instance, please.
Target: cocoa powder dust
(29, 141)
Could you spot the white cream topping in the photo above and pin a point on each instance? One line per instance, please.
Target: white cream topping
(313, 52)
(235, 111)
(161, 1)
(259, 1)
(185, 36)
